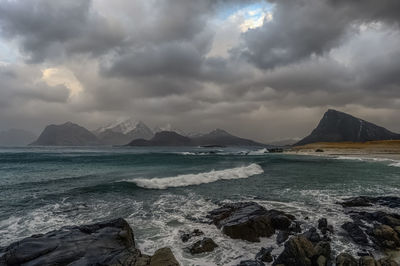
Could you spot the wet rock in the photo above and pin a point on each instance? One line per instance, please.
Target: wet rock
(322, 223)
(386, 236)
(312, 235)
(105, 243)
(187, 236)
(298, 251)
(345, 259)
(367, 261)
(265, 255)
(202, 246)
(355, 233)
(163, 257)
(356, 202)
(387, 262)
(295, 227)
(323, 248)
(391, 219)
(280, 220)
(251, 263)
(282, 237)
(248, 220)
(363, 201)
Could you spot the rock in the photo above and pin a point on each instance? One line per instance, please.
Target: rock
(322, 223)
(355, 233)
(105, 243)
(298, 251)
(201, 246)
(363, 201)
(323, 248)
(295, 227)
(386, 236)
(321, 261)
(186, 236)
(345, 259)
(251, 263)
(280, 220)
(265, 254)
(356, 202)
(282, 237)
(246, 220)
(367, 261)
(387, 262)
(163, 257)
(319, 150)
(312, 235)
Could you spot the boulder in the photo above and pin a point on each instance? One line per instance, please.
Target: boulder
(363, 201)
(298, 251)
(265, 255)
(202, 246)
(163, 257)
(387, 262)
(355, 233)
(282, 237)
(345, 259)
(106, 243)
(246, 220)
(386, 236)
(312, 235)
(186, 236)
(322, 223)
(367, 261)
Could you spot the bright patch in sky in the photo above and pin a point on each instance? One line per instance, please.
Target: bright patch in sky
(62, 76)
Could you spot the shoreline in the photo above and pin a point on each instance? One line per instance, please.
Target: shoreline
(385, 150)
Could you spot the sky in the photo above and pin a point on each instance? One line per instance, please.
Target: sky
(265, 70)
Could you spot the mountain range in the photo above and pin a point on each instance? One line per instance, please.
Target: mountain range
(216, 137)
(337, 126)
(334, 126)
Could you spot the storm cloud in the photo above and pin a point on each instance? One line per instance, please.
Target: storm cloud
(260, 69)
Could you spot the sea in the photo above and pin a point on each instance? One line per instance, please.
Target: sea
(163, 192)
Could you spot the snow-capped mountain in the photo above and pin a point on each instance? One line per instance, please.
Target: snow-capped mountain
(123, 131)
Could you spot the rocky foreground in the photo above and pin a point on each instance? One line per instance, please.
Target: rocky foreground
(299, 243)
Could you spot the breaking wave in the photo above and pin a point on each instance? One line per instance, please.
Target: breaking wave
(197, 179)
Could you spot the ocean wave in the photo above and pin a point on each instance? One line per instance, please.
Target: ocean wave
(258, 152)
(391, 162)
(395, 164)
(197, 179)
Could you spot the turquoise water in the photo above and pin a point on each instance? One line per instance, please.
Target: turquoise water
(42, 189)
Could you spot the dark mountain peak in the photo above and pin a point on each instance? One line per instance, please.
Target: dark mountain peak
(163, 138)
(67, 134)
(336, 126)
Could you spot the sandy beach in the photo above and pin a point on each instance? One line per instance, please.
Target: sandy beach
(389, 149)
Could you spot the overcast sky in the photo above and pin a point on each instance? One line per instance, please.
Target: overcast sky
(265, 70)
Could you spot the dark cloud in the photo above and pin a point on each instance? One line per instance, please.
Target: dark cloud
(151, 60)
(303, 28)
(49, 29)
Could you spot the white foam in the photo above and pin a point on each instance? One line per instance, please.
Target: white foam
(395, 164)
(197, 179)
(258, 152)
(370, 159)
